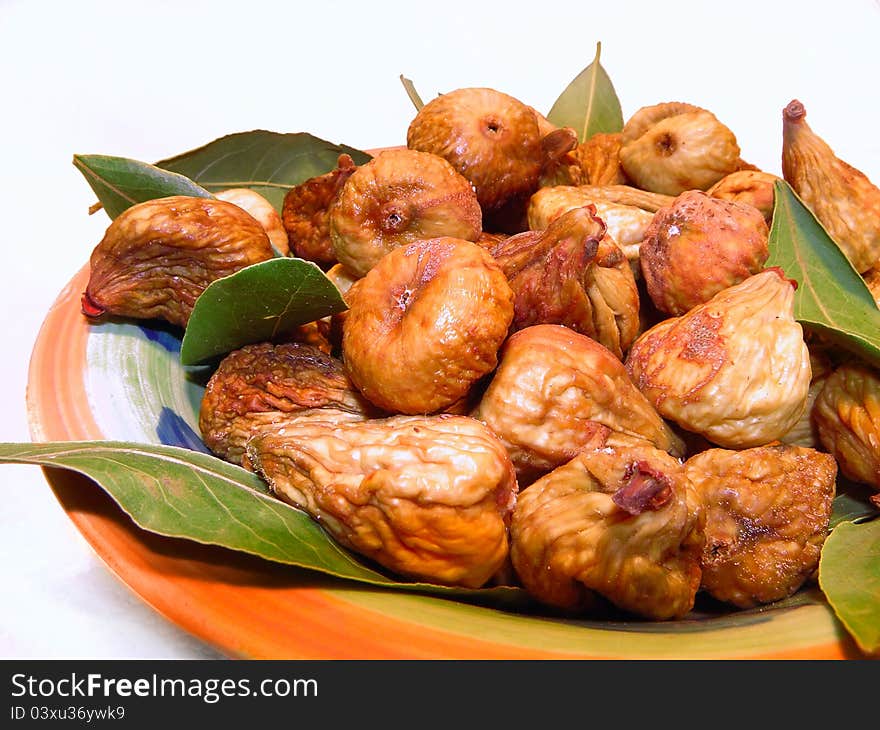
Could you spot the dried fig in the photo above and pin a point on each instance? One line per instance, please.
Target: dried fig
(425, 324)
(305, 213)
(672, 147)
(698, 246)
(752, 187)
(157, 257)
(847, 418)
(767, 513)
(735, 369)
(844, 200)
(594, 162)
(804, 432)
(626, 224)
(491, 138)
(623, 523)
(426, 497)
(574, 275)
(260, 385)
(398, 197)
(555, 391)
(262, 210)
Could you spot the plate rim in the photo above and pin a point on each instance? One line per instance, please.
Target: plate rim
(104, 526)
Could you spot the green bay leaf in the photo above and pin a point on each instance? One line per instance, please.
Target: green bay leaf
(257, 304)
(849, 576)
(268, 162)
(831, 298)
(589, 104)
(186, 494)
(120, 182)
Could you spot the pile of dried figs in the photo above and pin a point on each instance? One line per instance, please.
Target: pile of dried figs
(563, 364)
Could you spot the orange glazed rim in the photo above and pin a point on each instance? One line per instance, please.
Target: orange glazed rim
(251, 608)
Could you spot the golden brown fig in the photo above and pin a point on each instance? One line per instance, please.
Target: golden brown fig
(491, 138)
(767, 513)
(673, 147)
(306, 212)
(262, 210)
(804, 432)
(574, 275)
(425, 324)
(752, 187)
(698, 246)
(620, 523)
(427, 497)
(626, 224)
(594, 162)
(735, 369)
(844, 200)
(260, 385)
(847, 417)
(555, 391)
(157, 257)
(398, 197)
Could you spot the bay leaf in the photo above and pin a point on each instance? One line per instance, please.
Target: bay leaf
(120, 182)
(194, 496)
(831, 298)
(849, 576)
(257, 304)
(412, 93)
(268, 162)
(589, 104)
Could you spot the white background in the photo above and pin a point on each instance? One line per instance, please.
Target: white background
(149, 80)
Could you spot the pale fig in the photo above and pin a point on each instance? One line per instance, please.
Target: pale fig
(429, 498)
(672, 147)
(735, 370)
(844, 200)
(556, 391)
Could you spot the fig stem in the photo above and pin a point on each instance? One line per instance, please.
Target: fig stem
(794, 112)
(90, 308)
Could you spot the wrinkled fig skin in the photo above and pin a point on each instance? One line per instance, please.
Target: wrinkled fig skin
(673, 147)
(751, 187)
(262, 384)
(425, 324)
(847, 417)
(804, 432)
(427, 497)
(767, 514)
(555, 392)
(493, 139)
(262, 210)
(306, 210)
(574, 275)
(399, 197)
(571, 541)
(626, 224)
(844, 200)
(735, 369)
(157, 257)
(594, 162)
(698, 246)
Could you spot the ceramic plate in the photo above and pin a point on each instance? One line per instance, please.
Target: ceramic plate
(121, 380)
